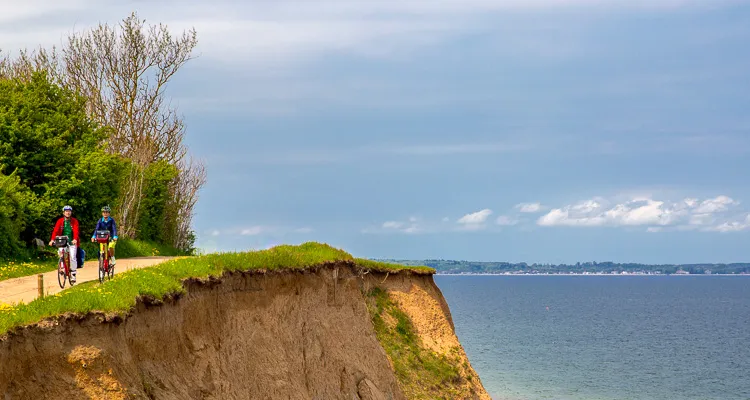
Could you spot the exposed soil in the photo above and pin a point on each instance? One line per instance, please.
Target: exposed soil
(285, 335)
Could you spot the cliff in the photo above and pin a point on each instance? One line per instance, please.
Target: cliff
(333, 331)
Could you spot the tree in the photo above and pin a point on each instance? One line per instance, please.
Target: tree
(123, 74)
(52, 147)
(13, 202)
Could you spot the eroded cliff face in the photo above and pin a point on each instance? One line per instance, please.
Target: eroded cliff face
(284, 335)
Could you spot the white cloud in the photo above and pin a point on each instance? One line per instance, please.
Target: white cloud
(215, 232)
(398, 226)
(252, 231)
(718, 204)
(529, 207)
(640, 211)
(475, 218)
(702, 219)
(505, 220)
(392, 225)
(283, 31)
(733, 226)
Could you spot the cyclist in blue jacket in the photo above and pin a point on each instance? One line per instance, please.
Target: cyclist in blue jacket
(107, 223)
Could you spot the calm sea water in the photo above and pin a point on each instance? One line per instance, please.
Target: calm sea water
(599, 337)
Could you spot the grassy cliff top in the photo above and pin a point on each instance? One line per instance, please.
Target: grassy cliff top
(121, 293)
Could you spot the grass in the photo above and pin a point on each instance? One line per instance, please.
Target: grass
(422, 373)
(390, 267)
(127, 248)
(46, 261)
(121, 293)
(10, 269)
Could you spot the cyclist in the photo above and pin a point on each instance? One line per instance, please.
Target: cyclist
(106, 223)
(67, 226)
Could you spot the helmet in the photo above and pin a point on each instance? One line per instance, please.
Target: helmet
(106, 208)
(66, 208)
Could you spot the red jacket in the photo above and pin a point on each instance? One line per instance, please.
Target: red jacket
(58, 231)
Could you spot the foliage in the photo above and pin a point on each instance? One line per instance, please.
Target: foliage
(13, 202)
(49, 143)
(422, 373)
(154, 216)
(120, 294)
(124, 71)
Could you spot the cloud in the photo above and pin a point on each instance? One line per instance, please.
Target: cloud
(392, 225)
(640, 211)
(474, 221)
(252, 231)
(215, 232)
(717, 204)
(733, 226)
(284, 31)
(268, 230)
(475, 218)
(529, 207)
(505, 220)
(399, 226)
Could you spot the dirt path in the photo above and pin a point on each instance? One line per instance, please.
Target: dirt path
(25, 289)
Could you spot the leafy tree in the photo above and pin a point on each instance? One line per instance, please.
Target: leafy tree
(13, 201)
(154, 218)
(53, 148)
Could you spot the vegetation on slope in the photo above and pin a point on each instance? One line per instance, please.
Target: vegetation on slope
(120, 294)
(422, 373)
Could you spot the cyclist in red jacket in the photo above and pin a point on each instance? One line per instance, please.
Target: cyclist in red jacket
(68, 226)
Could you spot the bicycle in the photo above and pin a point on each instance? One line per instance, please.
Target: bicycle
(106, 269)
(63, 264)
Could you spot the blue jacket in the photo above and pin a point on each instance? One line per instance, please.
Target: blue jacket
(108, 225)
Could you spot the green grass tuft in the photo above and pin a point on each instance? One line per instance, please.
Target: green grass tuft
(422, 373)
(390, 267)
(120, 294)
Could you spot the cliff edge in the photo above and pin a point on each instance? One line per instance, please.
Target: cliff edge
(333, 331)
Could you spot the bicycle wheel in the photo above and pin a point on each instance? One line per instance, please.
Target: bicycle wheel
(68, 271)
(111, 270)
(102, 272)
(61, 277)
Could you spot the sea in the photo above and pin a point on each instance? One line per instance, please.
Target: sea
(605, 337)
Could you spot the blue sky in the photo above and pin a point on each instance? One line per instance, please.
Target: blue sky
(537, 131)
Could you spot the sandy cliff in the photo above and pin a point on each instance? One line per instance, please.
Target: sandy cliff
(282, 335)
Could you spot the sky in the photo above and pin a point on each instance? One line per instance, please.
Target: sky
(549, 131)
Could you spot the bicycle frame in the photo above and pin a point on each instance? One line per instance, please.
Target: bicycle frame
(105, 268)
(63, 265)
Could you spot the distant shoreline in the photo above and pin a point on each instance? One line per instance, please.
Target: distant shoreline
(591, 274)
